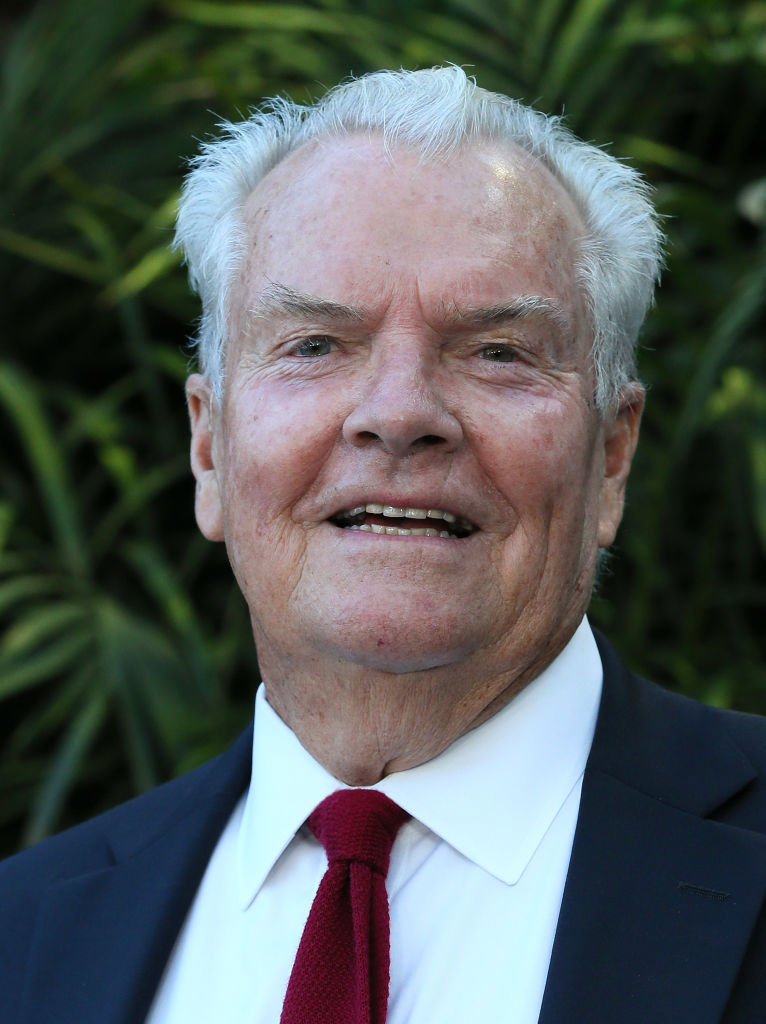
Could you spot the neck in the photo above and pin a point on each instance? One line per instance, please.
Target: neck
(363, 723)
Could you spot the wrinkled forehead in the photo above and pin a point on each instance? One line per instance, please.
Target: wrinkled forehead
(339, 210)
(343, 165)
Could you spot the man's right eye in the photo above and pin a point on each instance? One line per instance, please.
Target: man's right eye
(315, 345)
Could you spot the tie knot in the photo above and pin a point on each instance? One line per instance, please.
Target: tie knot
(358, 825)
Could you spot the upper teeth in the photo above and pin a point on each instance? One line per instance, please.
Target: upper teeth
(393, 511)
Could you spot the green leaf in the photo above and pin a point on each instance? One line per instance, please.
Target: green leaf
(281, 17)
(7, 518)
(52, 256)
(21, 401)
(20, 589)
(670, 158)
(38, 625)
(150, 267)
(740, 311)
(41, 667)
(62, 772)
(49, 718)
(172, 598)
(573, 38)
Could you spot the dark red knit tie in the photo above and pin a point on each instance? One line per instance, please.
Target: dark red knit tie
(341, 970)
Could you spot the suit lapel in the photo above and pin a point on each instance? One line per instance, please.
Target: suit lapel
(660, 900)
(121, 920)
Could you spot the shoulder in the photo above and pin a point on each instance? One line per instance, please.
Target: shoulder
(749, 730)
(748, 808)
(140, 861)
(708, 760)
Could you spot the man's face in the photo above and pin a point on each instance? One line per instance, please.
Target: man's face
(409, 335)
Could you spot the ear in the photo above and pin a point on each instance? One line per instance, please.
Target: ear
(620, 439)
(202, 414)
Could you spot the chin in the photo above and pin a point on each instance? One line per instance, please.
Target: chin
(399, 648)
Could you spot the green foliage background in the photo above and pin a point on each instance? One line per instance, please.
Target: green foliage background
(125, 653)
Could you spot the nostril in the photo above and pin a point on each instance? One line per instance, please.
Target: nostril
(425, 441)
(400, 421)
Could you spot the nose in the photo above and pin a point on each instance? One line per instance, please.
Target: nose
(401, 406)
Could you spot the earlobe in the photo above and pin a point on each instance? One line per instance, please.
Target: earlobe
(207, 500)
(620, 440)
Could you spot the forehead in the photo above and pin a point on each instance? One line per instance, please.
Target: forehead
(343, 218)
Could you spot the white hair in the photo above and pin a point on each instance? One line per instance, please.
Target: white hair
(435, 112)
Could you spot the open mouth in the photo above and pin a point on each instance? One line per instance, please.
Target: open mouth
(403, 522)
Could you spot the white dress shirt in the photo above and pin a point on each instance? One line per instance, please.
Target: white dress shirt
(475, 881)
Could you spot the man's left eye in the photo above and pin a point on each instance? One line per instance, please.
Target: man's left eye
(315, 345)
(499, 353)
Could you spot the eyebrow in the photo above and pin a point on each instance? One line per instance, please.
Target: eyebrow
(279, 300)
(522, 307)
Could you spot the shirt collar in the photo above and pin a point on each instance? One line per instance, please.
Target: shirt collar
(492, 794)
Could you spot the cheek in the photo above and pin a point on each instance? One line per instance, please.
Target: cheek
(270, 465)
(275, 448)
(541, 460)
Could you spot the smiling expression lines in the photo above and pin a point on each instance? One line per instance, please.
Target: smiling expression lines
(407, 447)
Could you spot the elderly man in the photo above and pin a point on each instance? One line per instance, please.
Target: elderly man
(413, 427)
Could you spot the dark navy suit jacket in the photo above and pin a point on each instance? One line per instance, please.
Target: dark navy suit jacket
(662, 920)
